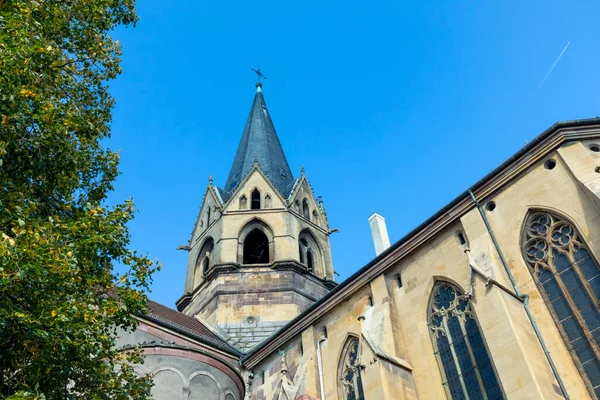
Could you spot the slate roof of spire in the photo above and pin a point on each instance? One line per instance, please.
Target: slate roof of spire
(259, 141)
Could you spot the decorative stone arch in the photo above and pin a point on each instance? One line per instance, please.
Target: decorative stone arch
(442, 279)
(204, 260)
(184, 381)
(243, 202)
(229, 395)
(211, 377)
(349, 373)
(250, 228)
(196, 355)
(347, 337)
(309, 250)
(268, 202)
(161, 368)
(140, 370)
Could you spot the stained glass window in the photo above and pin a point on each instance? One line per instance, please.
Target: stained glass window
(569, 278)
(350, 372)
(467, 370)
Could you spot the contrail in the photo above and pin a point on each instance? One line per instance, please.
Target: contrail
(552, 67)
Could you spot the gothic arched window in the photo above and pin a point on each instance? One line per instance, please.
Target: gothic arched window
(467, 370)
(349, 372)
(203, 261)
(305, 210)
(256, 248)
(309, 251)
(315, 217)
(243, 202)
(297, 206)
(268, 202)
(569, 278)
(255, 205)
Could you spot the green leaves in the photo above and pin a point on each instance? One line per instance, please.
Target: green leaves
(61, 303)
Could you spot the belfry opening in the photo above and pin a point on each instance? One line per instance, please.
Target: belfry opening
(256, 248)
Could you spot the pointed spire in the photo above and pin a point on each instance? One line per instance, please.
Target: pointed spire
(260, 144)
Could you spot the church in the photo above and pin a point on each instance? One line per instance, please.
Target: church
(495, 296)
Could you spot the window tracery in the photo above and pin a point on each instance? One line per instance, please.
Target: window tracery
(350, 372)
(309, 251)
(569, 278)
(468, 372)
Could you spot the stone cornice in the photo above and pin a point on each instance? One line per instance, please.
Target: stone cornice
(524, 159)
(228, 268)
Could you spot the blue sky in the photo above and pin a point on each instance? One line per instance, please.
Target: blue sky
(393, 107)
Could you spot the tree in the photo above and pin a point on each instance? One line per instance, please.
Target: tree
(61, 298)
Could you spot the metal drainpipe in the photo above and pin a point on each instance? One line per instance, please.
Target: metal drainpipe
(320, 364)
(525, 297)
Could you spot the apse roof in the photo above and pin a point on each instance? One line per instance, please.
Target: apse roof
(187, 325)
(260, 142)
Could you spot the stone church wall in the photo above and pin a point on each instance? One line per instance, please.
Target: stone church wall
(390, 318)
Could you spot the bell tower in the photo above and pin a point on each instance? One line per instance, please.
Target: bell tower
(259, 254)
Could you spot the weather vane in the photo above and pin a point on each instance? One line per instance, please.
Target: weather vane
(258, 73)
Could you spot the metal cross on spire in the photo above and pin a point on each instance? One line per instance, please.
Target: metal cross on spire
(258, 73)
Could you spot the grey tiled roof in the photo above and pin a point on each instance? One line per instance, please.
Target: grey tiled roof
(187, 325)
(260, 141)
(224, 195)
(244, 337)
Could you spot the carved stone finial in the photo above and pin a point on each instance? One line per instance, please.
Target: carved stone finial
(210, 179)
(255, 159)
(284, 368)
(302, 170)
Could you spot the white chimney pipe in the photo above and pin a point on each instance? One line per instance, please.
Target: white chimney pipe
(381, 240)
